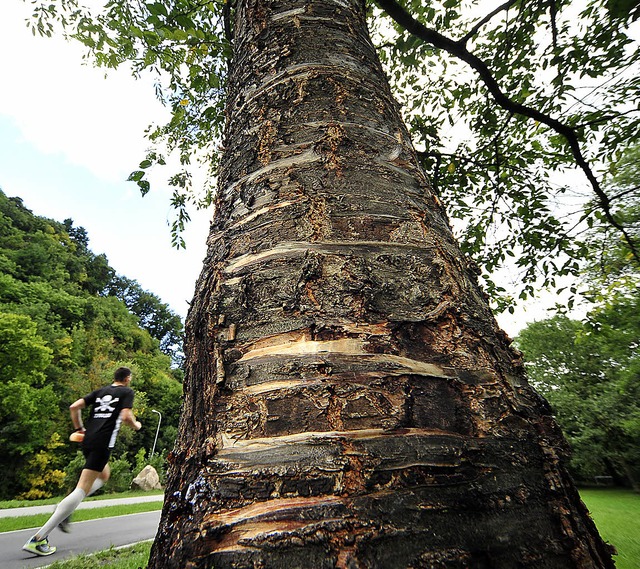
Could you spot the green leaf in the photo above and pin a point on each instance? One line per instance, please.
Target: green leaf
(135, 176)
(157, 9)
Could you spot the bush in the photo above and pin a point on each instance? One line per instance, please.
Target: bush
(72, 471)
(42, 478)
(140, 461)
(159, 462)
(121, 476)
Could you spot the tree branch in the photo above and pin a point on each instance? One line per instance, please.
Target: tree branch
(553, 16)
(226, 15)
(473, 31)
(625, 193)
(458, 49)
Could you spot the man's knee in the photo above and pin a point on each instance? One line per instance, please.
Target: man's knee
(106, 472)
(87, 478)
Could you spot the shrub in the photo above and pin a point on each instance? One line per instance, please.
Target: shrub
(42, 477)
(159, 462)
(121, 476)
(72, 471)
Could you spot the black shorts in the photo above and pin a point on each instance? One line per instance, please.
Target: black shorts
(96, 458)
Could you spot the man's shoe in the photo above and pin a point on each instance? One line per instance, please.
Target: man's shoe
(65, 525)
(41, 547)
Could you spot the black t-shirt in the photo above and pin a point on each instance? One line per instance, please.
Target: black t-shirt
(104, 422)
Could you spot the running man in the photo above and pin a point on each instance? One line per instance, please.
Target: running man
(110, 406)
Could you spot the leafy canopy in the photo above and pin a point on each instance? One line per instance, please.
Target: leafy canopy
(611, 271)
(500, 97)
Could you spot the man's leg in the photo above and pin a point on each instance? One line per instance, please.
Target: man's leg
(99, 482)
(69, 504)
(39, 544)
(95, 468)
(102, 479)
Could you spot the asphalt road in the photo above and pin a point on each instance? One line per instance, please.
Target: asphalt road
(85, 537)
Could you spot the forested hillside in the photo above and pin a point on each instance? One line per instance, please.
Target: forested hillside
(66, 321)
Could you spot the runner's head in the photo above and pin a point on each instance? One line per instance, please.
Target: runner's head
(121, 374)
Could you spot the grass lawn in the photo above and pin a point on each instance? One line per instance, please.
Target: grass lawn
(4, 504)
(26, 522)
(617, 516)
(134, 557)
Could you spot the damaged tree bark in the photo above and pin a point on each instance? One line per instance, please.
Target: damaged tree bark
(349, 400)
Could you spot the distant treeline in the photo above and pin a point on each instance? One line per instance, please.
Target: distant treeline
(67, 320)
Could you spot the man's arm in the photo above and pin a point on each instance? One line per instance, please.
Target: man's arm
(76, 414)
(127, 416)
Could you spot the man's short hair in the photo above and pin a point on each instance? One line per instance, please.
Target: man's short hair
(121, 374)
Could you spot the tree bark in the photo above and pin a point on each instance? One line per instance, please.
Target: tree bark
(349, 399)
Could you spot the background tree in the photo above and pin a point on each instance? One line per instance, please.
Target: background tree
(27, 404)
(589, 371)
(154, 315)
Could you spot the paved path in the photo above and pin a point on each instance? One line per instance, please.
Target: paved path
(86, 537)
(31, 510)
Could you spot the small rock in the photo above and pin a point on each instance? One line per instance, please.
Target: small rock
(148, 479)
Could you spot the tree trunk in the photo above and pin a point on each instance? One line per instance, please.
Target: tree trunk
(630, 474)
(349, 399)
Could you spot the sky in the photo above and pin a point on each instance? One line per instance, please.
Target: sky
(70, 136)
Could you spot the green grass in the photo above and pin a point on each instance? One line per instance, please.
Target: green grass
(26, 522)
(5, 504)
(134, 557)
(617, 516)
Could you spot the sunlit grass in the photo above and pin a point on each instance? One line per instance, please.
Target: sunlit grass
(5, 504)
(134, 557)
(37, 520)
(617, 516)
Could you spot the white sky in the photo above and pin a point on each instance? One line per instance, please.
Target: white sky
(69, 137)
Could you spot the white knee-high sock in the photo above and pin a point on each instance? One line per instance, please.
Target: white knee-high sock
(64, 509)
(97, 484)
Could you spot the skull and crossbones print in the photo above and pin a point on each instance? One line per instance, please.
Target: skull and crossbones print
(106, 403)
